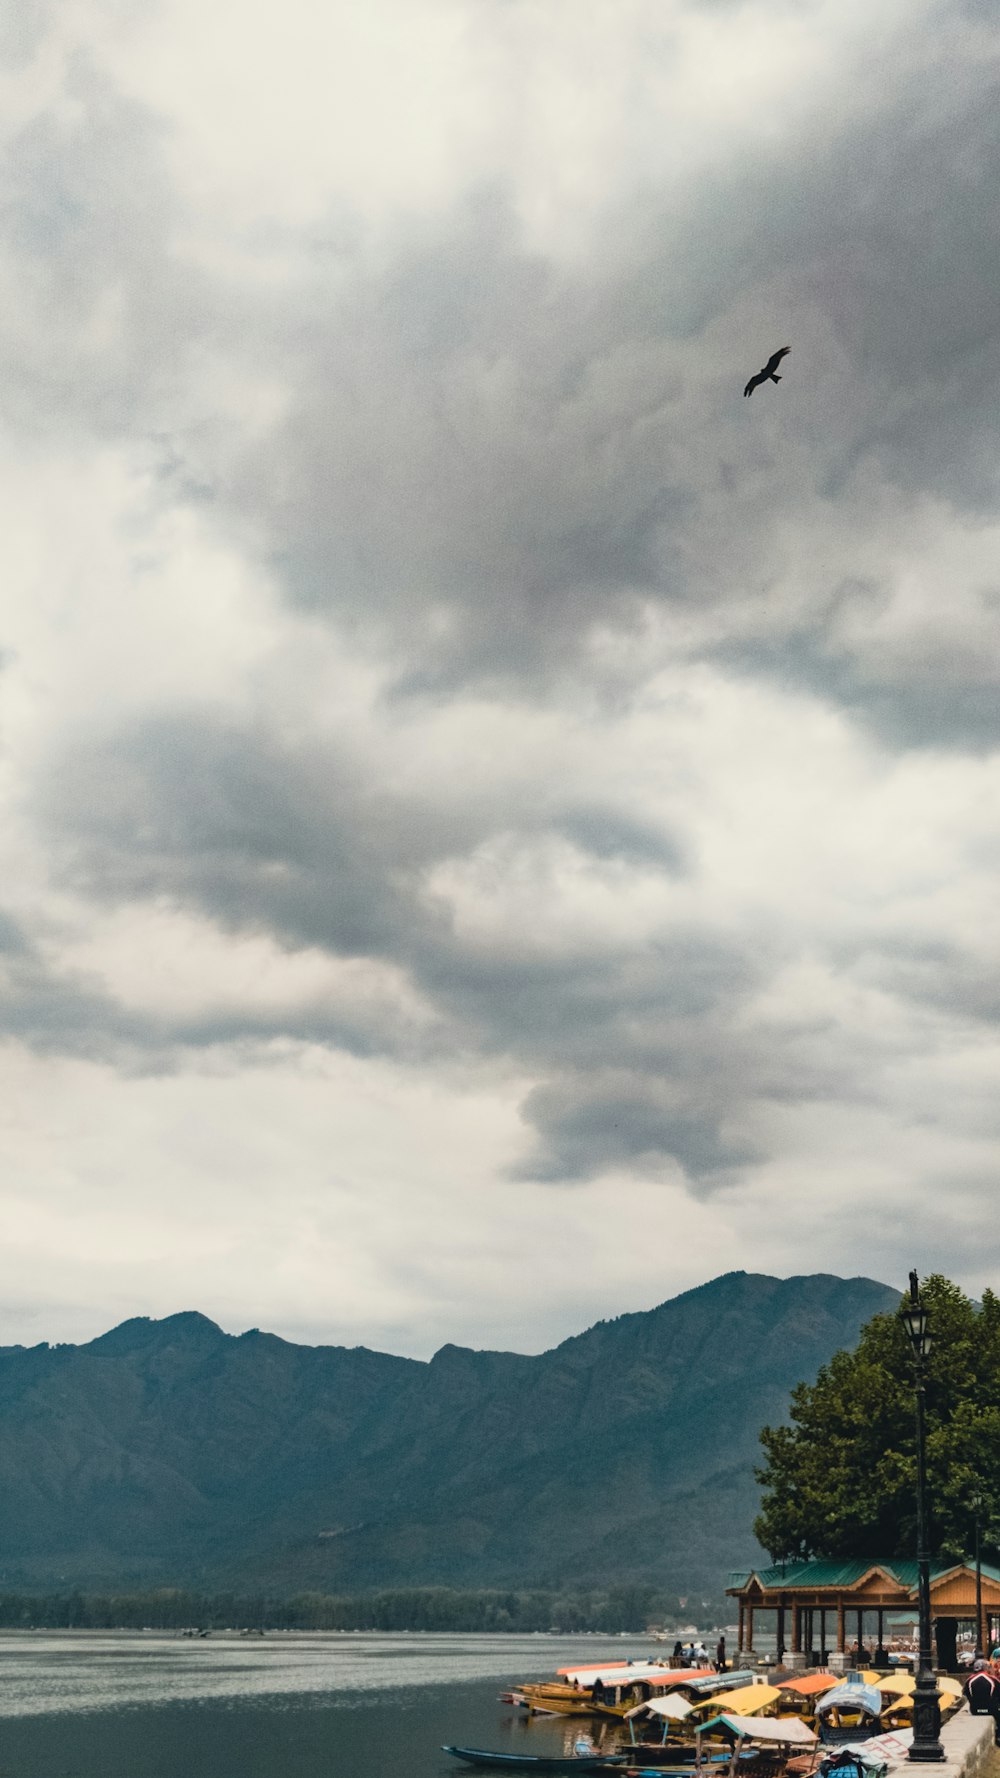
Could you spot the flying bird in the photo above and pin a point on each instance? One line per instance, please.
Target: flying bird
(770, 370)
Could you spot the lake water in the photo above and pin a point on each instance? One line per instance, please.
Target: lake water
(158, 1706)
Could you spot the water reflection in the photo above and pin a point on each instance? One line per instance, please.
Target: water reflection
(43, 1672)
(151, 1706)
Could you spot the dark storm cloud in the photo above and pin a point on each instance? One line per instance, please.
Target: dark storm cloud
(55, 1010)
(262, 838)
(945, 694)
(486, 453)
(642, 1048)
(594, 1123)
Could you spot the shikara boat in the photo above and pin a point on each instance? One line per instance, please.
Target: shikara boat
(702, 1685)
(850, 1711)
(609, 1690)
(553, 1697)
(755, 1747)
(537, 1762)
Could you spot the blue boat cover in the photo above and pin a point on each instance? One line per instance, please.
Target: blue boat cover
(851, 1694)
(717, 1682)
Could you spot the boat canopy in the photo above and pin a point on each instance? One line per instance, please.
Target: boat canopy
(746, 1701)
(721, 1682)
(897, 1699)
(809, 1684)
(897, 1684)
(851, 1695)
(646, 1671)
(575, 1672)
(672, 1706)
(789, 1731)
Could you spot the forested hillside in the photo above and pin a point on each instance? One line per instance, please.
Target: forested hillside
(171, 1452)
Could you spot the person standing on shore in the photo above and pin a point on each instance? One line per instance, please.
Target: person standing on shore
(720, 1655)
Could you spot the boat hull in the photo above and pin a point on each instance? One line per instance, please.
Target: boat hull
(534, 1762)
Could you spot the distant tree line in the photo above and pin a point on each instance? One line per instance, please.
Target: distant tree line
(611, 1610)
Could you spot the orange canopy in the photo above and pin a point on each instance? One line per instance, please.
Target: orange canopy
(809, 1683)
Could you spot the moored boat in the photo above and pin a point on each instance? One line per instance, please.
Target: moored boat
(537, 1762)
(850, 1711)
(754, 1747)
(551, 1697)
(609, 1690)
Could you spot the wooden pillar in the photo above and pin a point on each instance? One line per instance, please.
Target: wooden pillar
(841, 1632)
(861, 1629)
(749, 1648)
(739, 1638)
(822, 1634)
(796, 1628)
(780, 1637)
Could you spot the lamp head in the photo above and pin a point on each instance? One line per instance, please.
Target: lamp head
(915, 1321)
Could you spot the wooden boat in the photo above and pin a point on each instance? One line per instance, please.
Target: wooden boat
(748, 1762)
(610, 1690)
(671, 1758)
(537, 1762)
(618, 1693)
(850, 1711)
(756, 1748)
(552, 1697)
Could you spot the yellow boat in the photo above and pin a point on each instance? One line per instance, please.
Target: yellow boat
(602, 1691)
(554, 1698)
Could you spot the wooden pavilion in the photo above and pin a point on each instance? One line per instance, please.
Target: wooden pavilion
(855, 1596)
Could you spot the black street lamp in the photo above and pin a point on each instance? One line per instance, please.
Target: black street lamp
(926, 1744)
(977, 1503)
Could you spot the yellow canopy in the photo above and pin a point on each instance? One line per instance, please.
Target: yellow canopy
(746, 1700)
(899, 1689)
(900, 1684)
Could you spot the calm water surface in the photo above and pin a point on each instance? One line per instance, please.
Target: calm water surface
(155, 1706)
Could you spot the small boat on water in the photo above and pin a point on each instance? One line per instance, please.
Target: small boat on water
(755, 1748)
(850, 1711)
(609, 1690)
(537, 1762)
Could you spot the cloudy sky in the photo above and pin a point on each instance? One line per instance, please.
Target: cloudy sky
(497, 829)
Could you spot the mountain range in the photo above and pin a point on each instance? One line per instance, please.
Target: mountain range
(170, 1452)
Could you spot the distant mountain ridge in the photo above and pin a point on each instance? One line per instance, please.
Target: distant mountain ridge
(169, 1452)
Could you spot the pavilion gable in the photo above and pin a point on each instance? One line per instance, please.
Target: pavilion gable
(877, 1584)
(958, 1585)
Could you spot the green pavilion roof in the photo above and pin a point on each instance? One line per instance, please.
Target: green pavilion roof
(821, 1572)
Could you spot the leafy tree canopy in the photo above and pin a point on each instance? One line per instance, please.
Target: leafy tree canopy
(840, 1479)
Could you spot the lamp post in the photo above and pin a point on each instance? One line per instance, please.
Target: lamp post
(926, 1744)
(977, 1503)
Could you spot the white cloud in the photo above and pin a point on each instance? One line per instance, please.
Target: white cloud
(470, 778)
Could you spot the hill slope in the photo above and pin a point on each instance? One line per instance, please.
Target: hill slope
(171, 1451)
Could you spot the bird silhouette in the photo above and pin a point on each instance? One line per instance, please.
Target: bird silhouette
(770, 370)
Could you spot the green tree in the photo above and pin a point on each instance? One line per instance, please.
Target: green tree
(839, 1480)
